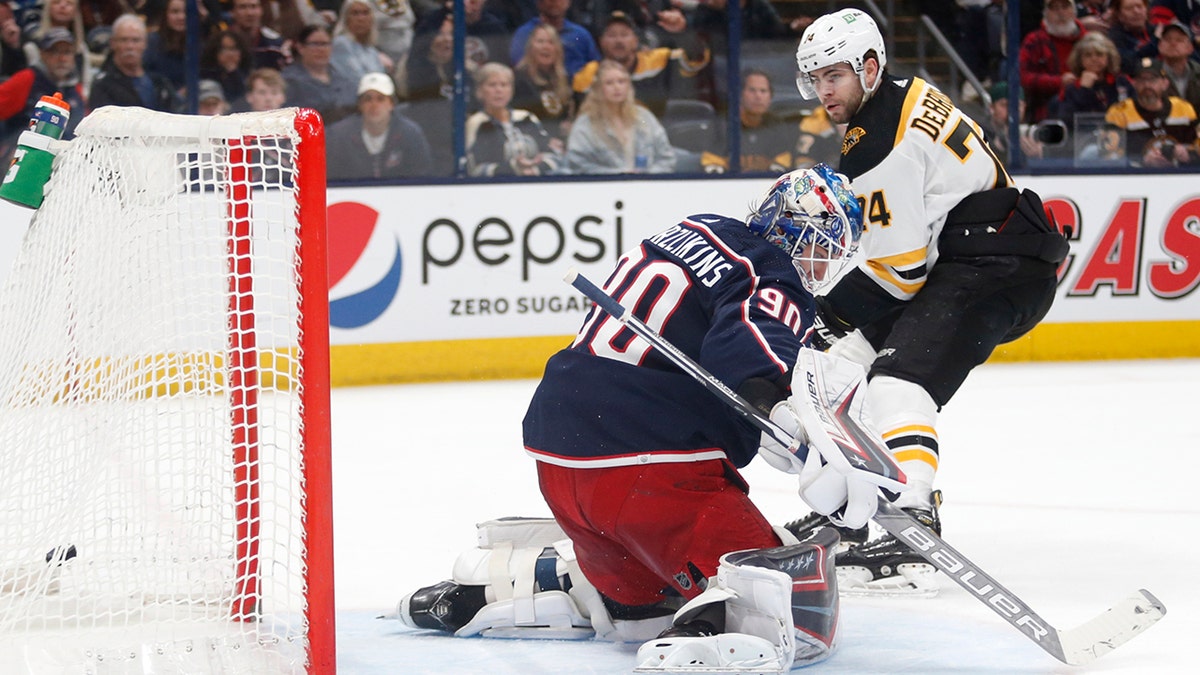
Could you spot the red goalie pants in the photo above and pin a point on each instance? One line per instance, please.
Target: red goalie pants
(638, 529)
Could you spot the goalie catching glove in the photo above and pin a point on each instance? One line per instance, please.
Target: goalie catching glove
(841, 460)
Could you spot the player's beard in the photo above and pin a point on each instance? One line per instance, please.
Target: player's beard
(849, 108)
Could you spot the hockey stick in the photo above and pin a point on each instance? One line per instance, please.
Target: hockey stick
(1075, 646)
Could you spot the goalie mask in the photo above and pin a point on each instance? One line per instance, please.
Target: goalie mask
(812, 215)
(846, 36)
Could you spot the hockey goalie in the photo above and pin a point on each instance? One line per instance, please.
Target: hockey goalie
(654, 538)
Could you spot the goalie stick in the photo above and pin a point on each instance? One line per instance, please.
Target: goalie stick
(1076, 646)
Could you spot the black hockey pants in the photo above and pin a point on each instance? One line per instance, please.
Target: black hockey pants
(994, 281)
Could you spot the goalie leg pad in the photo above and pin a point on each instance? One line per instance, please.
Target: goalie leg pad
(519, 531)
(526, 590)
(514, 585)
(784, 597)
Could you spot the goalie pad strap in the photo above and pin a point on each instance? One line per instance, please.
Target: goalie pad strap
(498, 575)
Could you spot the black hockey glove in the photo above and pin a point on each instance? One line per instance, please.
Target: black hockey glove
(828, 328)
(763, 393)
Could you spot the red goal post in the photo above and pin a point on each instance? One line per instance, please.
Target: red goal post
(165, 501)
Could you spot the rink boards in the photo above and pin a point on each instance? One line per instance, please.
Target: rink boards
(464, 281)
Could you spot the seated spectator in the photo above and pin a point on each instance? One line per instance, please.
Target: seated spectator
(354, 37)
(578, 46)
(1175, 50)
(996, 126)
(266, 45)
(542, 86)
(1186, 12)
(428, 88)
(1043, 57)
(377, 141)
(63, 14)
(613, 134)
(394, 22)
(487, 37)
(313, 81)
(1131, 33)
(767, 141)
(211, 99)
(55, 71)
(1160, 130)
(819, 140)
(165, 45)
(124, 80)
(502, 140)
(226, 59)
(657, 74)
(429, 70)
(1099, 81)
(12, 55)
(265, 90)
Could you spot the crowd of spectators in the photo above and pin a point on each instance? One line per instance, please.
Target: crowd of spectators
(381, 73)
(1130, 63)
(544, 108)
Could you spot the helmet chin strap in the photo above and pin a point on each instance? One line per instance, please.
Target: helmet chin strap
(868, 92)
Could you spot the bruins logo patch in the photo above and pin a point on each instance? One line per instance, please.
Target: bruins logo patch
(853, 136)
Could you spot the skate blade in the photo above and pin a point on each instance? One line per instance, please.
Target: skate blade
(538, 633)
(723, 653)
(912, 580)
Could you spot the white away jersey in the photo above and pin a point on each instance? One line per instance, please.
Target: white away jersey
(912, 156)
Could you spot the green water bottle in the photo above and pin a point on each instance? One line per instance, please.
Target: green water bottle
(25, 182)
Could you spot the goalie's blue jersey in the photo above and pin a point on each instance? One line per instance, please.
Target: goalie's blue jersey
(722, 295)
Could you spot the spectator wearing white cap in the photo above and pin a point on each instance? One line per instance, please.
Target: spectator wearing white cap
(377, 142)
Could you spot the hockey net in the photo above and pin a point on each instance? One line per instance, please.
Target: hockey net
(164, 403)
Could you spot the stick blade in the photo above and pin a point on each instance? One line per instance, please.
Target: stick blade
(1120, 624)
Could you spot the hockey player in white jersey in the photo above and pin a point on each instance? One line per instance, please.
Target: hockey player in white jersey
(955, 260)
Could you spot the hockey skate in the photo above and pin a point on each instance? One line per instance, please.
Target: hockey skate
(886, 567)
(806, 527)
(446, 606)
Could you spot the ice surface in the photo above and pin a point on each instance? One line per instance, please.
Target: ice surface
(1071, 483)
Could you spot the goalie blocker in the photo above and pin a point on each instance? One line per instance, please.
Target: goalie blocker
(764, 611)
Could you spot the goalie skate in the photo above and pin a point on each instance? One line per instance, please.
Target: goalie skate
(722, 653)
(806, 527)
(40, 578)
(886, 567)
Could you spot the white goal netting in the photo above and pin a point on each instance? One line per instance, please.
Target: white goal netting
(157, 403)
